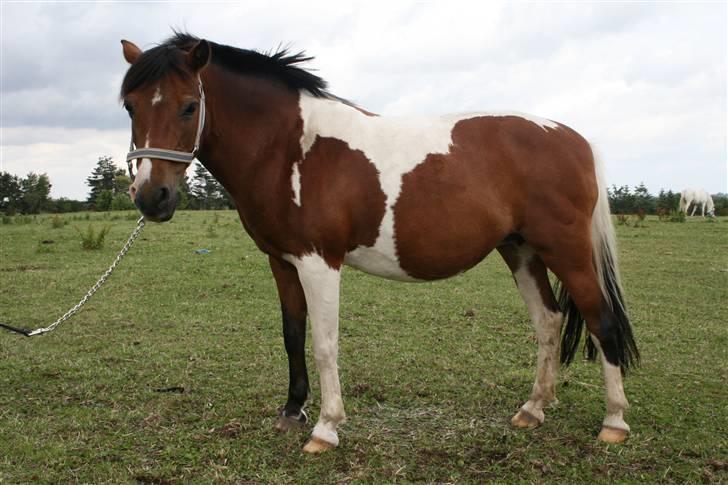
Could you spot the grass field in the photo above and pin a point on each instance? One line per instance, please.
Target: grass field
(431, 373)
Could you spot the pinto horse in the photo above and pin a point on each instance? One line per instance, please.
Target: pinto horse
(320, 183)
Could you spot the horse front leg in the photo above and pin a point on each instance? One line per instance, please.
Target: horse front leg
(321, 283)
(293, 310)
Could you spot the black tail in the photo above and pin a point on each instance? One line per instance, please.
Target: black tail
(617, 341)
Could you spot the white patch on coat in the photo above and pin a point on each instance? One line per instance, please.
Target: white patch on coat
(157, 96)
(296, 184)
(321, 285)
(395, 146)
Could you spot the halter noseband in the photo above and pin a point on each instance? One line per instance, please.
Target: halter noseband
(171, 155)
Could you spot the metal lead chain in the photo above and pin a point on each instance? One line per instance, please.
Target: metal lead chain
(94, 289)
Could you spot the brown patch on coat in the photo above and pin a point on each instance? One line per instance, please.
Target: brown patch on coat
(455, 208)
(342, 202)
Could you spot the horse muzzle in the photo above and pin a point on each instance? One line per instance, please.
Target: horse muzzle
(157, 204)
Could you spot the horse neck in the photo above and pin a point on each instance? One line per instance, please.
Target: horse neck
(252, 124)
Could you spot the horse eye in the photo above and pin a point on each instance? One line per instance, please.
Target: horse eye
(129, 110)
(190, 109)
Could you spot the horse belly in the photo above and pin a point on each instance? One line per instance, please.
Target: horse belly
(378, 263)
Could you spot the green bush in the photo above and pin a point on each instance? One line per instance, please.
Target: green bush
(90, 239)
(57, 222)
(103, 200)
(121, 202)
(676, 216)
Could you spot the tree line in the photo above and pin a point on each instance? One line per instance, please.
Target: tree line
(108, 191)
(623, 200)
(109, 186)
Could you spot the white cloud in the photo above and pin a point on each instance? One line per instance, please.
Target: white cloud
(67, 155)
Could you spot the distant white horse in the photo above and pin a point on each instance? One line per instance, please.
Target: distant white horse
(696, 196)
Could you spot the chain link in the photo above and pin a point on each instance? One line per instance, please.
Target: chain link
(95, 287)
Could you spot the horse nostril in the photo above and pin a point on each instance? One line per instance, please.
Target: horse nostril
(162, 196)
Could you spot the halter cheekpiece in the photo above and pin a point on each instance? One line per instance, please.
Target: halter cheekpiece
(171, 155)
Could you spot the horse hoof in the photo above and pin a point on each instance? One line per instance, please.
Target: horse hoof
(612, 435)
(285, 423)
(317, 445)
(524, 419)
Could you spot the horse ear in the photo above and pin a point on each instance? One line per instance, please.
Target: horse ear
(131, 51)
(199, 55)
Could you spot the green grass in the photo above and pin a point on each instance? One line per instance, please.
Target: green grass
(429, 386)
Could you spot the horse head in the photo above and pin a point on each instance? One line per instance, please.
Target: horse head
(162, 92)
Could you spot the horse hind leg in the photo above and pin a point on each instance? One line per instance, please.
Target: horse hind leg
(529, 273)
(583, 300)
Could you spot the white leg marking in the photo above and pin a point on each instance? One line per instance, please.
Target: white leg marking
(321, 287)
(157, 96)
(548, 326)
(296, 184)
(616, 400)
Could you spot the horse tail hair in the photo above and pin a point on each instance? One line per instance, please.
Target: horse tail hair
(616, 339)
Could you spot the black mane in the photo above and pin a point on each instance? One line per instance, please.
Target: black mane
(168, 57)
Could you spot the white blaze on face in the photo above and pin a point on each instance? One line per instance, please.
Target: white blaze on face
(144, 171)
(157, 96)
(395, 146)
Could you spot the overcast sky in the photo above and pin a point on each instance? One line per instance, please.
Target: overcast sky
(644, 82)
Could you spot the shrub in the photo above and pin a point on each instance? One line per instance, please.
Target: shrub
(641, 215)
(57, 222)
(90, 239)
(676, 216)
(103, 200)
(121, 202)
(663, 214)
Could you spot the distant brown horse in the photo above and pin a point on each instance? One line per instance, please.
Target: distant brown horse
(319, 183)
